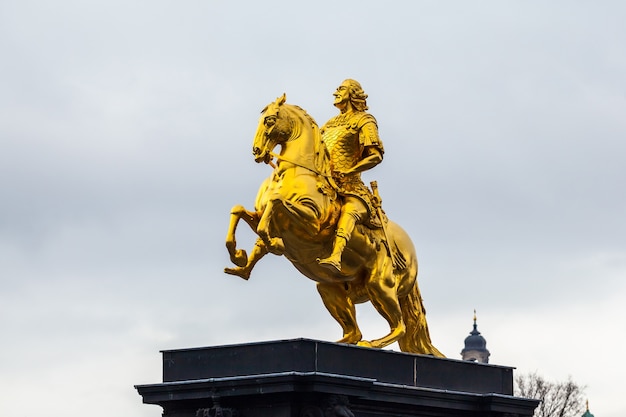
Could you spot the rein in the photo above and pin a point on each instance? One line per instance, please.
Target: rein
(313, 170)
(328, 177)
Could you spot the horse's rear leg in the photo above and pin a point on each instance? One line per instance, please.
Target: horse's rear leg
(341, 307)
(382, 290)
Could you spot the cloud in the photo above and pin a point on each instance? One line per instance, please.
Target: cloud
(125, 135)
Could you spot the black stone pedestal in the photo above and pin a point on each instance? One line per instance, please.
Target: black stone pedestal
(310, 378)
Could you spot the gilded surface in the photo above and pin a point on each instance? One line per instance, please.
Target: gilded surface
(315, 210)
(346, 137)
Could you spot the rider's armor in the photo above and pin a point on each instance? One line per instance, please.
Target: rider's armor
(346, 136)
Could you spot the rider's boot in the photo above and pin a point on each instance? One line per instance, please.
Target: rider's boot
(345, 226)
(334, 260)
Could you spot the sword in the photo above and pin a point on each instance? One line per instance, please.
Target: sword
(397, 259)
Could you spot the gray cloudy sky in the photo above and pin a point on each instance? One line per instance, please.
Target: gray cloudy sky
(125, 136)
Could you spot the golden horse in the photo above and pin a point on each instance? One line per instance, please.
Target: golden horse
(295, 214)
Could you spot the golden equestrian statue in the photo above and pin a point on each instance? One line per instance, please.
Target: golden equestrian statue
(315, 210)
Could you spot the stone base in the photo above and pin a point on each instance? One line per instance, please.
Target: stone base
(310, 378)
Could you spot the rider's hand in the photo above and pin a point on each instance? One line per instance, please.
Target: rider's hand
(343, 174)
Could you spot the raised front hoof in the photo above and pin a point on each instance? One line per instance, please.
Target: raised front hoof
(237, 256)
(331, 264)
(240, 272)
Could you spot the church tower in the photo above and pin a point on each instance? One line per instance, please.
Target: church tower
(475, 349)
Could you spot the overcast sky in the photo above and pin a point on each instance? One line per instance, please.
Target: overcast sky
(125, 139)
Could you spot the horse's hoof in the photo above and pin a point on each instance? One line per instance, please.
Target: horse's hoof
(364, 343)
(240, 258)
(240, 272)
(350, 339)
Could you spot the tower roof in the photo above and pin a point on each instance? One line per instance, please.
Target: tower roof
(475, 341)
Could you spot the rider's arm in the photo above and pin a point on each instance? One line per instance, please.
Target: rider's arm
(372, 146)
(372, 156)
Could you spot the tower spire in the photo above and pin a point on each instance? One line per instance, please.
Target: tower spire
(587, 413)
(475, 325)
(475, 349)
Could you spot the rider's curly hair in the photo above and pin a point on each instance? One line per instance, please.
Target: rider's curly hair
(357, 95)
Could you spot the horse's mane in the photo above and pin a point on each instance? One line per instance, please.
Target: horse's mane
(322, 157)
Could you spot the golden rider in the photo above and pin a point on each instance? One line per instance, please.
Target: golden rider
(354, 146)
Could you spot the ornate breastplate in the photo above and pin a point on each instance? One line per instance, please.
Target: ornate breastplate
(343, 146)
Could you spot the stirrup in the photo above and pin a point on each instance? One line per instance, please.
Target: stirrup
(330, 263)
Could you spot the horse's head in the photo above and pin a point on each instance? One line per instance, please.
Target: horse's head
(292, 127)
(275, 127)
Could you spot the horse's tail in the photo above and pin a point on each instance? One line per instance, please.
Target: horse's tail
(416, 338)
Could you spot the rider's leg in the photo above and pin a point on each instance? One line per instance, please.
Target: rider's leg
(352, 213)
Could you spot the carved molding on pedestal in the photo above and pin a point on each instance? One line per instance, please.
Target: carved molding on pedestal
(332, 406)
(217, 410)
